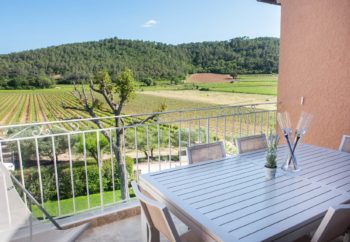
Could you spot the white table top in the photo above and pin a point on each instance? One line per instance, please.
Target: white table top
(233, 201)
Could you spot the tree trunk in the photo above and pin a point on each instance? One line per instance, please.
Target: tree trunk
(95, 156)
(152, 155)
(52, 157)
(146, 154)
(123, 173)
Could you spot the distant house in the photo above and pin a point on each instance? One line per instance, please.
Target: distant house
(314, 68)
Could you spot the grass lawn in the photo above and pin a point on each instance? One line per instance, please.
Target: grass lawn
(81, 203)
(252, 84)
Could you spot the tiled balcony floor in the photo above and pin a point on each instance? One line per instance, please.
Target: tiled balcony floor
(126, 230)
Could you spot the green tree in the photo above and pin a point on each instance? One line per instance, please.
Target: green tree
(148, 81)
(147, 141)
(234, 75)
(46, 147)
(91, 145)
(124, 88)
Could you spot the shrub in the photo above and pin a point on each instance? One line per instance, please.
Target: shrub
(148, 82)
(204, 89)
(32, 181)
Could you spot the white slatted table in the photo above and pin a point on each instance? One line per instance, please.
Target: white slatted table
(230, 199)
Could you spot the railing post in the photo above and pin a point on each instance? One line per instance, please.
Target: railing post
(158, 133)
(112, 163)
(137, 153)
(240, 125)
(148, 149)
(180, 128)
(208, 131)
(268, 122)
(99, 167)
(1, 154)
(217, 129)
(56, 174)
(71, 171)
(169, 140)
(274, 120)
(189, 133)
(233, 129)
(86, 170)
(225, 132)
(39, 171)
(199, 131)
(21, 168)
(254, 123)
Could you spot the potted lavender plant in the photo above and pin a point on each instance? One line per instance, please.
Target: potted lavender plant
(271, 156)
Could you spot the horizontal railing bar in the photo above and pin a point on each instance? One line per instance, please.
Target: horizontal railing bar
(130, 126)
(135, 115)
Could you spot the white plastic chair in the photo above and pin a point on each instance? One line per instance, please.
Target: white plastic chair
(205, 152)
(251, 143)
(345, 144)
(159, 219)
(334, 224)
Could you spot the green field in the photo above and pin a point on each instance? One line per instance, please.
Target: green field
(25, 106)
(252, 84)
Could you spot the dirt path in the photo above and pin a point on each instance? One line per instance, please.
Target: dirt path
(216, 98)
(41, 114)
(25, 114)
(208, 78)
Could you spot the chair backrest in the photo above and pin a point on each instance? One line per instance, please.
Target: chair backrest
(345, 144)
(205, 152)
(157, 215)
(251, 143)
(335, 223)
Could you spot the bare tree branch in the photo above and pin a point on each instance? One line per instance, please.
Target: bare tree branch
(151, 117)
(104, 94)
(120, 106)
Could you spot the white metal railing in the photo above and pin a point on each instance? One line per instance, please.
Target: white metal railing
(69, 165)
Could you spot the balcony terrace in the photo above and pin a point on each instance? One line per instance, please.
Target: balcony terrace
(70, 168)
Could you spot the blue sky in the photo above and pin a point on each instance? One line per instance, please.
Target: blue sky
(30, 24)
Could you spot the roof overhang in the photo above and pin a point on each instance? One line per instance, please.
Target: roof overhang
(276, 2)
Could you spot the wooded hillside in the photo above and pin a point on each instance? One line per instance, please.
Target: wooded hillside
(148, 60)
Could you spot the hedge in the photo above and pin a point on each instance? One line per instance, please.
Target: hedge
(31, 178)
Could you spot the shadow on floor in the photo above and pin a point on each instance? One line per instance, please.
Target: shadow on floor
(126, 230)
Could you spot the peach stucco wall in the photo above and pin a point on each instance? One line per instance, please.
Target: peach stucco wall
(315, 63)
